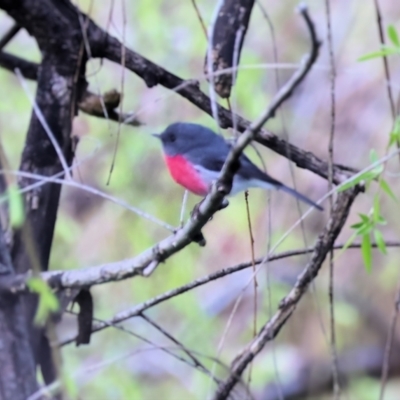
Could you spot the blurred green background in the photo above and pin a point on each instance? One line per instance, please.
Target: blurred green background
(91, 231)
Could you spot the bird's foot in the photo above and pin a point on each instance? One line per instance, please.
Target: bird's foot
(199, 239)
(224, 204)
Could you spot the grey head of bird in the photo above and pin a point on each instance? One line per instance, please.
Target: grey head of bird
(182, 137)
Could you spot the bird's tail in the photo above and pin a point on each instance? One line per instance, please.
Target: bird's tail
(299, 196)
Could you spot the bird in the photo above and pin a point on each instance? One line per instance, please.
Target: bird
(195, 155)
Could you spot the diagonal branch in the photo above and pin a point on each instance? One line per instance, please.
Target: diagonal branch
(288, 304)
(9, 35)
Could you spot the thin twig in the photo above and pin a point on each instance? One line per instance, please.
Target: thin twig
(334, 356)
(9, 35)
(389, 342)
(255, 284)
(53, 179)
(123, 62)
(378, 15)
(203, 25)
(195, 360)
(209, 60)
(40, 117)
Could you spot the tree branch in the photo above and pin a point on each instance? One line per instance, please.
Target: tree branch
(17, 366)
(9, 35)
(288, 304)
(90, 103)
(19, 285)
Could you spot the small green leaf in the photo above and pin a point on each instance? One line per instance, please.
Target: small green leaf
(48, 302)
(392, 33)
(373, 156)
(381, 221)
(380, 241)
(16, 206)
(365, 229)
(364, 217)
(393, 138)
(366, 252)
(351, 183)
(376, 209)
(380, 53)
(366, 176)
(386, 188)
(395, 134)
(346, 245)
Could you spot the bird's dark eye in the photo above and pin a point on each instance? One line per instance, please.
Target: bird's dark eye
(172, 137)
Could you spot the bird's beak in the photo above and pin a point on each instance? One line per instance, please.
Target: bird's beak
(156, 135)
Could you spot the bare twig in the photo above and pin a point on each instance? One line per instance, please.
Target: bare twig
(57, 178)
(335, 368)
(196, 362)
(378, 15)
(200, 18)
(45, 125)
(123, 58)
(9, 35)
(389, 343)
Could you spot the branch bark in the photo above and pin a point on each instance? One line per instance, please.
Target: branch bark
(17, 365)
(227, 39)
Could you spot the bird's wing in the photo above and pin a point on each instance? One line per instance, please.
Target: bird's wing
(211, 158)
(249, 171)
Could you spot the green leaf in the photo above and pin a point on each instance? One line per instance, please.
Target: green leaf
(373, 156)
(381, 220)
(16, 206)
(380, 241)
(380, 53)
(357, 225)
(366, 251)
(376, 208)
(386, 188)
(48, 302)
(392, 33)
(366, 176)
(365, 229)
(346, 245)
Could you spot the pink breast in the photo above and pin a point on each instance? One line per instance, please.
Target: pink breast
(183, 173)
